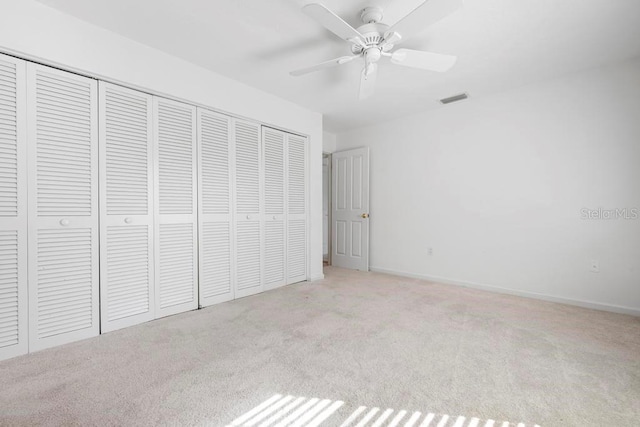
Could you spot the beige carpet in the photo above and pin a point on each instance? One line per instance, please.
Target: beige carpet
(364, 339)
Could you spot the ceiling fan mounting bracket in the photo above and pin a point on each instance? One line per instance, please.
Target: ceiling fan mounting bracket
(372, 14)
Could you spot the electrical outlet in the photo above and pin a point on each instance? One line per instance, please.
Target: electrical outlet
(595, 266)
(430, 251)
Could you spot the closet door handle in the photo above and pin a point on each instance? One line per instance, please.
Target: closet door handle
(128, 220)
(64, 222)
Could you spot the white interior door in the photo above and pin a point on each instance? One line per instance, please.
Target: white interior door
(126, 207)
(13, 209)
(350, 209)
(176, 207)
(63, 206)
(296, 208)
(248, 209)
(273, 144)
(215, 165)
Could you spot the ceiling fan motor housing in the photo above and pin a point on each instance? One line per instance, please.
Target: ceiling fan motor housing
(373, 36)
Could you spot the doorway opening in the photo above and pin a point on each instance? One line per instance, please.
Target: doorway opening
(326, 209)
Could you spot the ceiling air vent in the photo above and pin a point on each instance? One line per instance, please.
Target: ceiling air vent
(454, 98)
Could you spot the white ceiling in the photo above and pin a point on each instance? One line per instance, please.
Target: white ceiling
(500, 44)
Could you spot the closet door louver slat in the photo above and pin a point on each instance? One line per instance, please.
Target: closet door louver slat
(63, 212)
(176, 207)
(13, 209)
(126, 209)
(248, 209)
(273, 147)
(215, 149)
(296, 209)
(297, 248)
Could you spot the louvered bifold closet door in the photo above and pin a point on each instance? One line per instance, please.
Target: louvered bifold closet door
(13, 209)
(248, 208)
(126, 207)
(63, 206)
(296, 208)
(215, 151)
(273, 142)
(176, 208)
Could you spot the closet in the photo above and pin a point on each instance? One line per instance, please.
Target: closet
(249, 209)
(127, 267)
(216, 227)
(62, 161)
(149, 207)
(273, 153)
(48, 207)
(13, 208)
(252, 208)
(296, 208)
(176, 223)
(118, 207)
(285, 216)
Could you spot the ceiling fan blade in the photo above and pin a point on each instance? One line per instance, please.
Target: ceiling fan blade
(368, 80)
(322, 65)
(333, 23)
(428, 13)
(423, 60)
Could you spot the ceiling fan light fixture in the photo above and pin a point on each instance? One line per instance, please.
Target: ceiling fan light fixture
(454, 98)
(372, 54)
(369, 69)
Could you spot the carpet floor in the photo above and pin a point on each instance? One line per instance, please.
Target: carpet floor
(332, 352)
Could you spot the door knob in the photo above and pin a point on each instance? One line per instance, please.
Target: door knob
(365, 215)
(128, 220)
(64, 222)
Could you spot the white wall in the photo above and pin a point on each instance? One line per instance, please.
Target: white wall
(34, 31)
(328, 142)
(496, 186)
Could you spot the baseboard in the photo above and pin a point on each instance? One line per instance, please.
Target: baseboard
(491, 288)
(317, 277)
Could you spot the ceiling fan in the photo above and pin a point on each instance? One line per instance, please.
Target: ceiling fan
(374, 40)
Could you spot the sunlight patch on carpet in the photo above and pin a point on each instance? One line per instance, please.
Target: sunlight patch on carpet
(291, 411)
